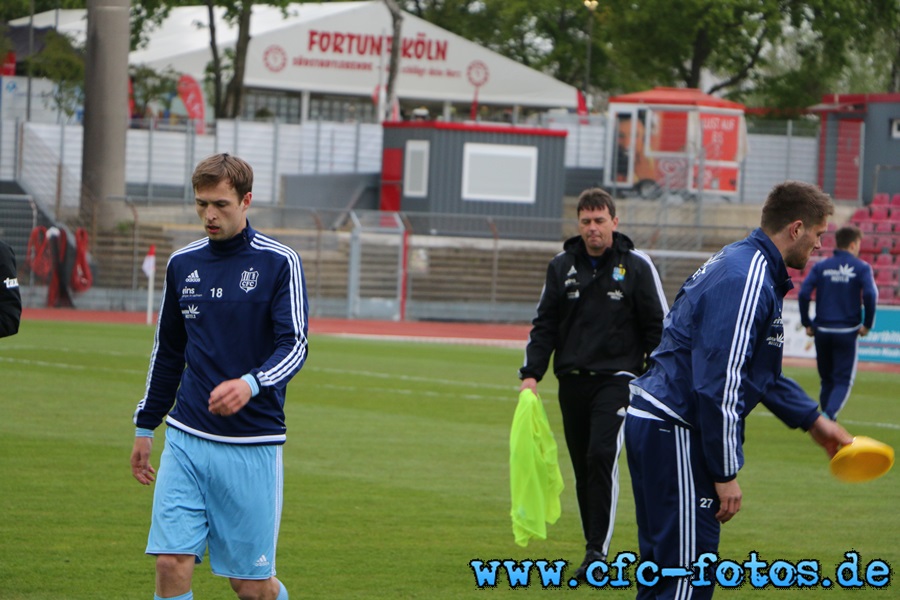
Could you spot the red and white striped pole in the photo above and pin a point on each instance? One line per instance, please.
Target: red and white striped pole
(149, 269)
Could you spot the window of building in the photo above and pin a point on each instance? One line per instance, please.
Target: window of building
(415, 169)
(499, 173)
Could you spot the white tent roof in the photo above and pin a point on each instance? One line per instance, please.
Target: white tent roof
(341, 48)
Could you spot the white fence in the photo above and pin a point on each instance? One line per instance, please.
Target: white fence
(774, 158)
(46, 158)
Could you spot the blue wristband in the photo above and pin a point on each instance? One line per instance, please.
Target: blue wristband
(251, 381)
(141, 432)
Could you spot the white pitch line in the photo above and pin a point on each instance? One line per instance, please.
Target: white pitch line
(512, 344)
(850, 422)
(413, 378)
(867, 424)
(82, 351)
(353, 389)
(56, 365)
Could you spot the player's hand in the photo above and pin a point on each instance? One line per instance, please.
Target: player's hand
(730, 497)
(141, 468)
(810, 331)
(829, 435)
(863, 331)
(229, 397)
(529, 383)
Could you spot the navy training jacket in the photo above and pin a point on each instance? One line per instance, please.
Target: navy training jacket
(228, 309)
(840, 282)
(721, 352)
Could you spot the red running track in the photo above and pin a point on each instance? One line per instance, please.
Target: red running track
(358, 327)
(507, 335)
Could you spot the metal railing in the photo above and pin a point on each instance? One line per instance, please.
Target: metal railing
(395, 265)
(160, 155)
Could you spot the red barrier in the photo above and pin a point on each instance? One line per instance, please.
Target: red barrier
(45, 255)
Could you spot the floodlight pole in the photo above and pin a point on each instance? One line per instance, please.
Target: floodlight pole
(30, 61)
(105, 112)
(591, 5)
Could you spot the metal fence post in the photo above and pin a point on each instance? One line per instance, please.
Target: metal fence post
(401, 268)
(331, 151)
(701, 172)
(303, 130)
(787, 162)
(275, 179)
(318, 138)
(743, 179)
(354, 267)
(356, 147)
(60, 168)
(698, 218)
(317, 294)
(19, 149)
(862, 161)
(190, 151)
(578, 145)
(495, 263)
(150, 157)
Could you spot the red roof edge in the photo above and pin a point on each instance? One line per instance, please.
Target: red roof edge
(475, 127)
(681, 96)
(853, 102)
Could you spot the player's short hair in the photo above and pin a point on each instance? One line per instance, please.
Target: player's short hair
(793, 200)
(213, 170)
(846, 235)
(596, 199)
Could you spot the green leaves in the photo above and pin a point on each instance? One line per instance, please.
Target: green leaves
(782, 53)
(63, 64)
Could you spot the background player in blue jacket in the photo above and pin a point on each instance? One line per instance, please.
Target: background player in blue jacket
(231, 334)
(843, 284)
(720, 355)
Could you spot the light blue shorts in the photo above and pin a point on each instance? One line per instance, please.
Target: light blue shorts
(221, 497)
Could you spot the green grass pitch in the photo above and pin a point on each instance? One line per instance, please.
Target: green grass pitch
(396, 475)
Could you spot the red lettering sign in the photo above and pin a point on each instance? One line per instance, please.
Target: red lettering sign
(366, 44)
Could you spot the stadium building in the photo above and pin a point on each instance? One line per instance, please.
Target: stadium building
(330, 62)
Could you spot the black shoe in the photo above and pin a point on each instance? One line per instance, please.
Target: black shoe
(590, 557)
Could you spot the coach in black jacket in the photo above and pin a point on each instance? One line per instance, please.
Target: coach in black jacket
(10, 298)
(600, 315)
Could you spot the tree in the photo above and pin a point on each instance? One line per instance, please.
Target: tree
(16, 9)
(225, 72)
(732, 47)
(743, 47)
(843, 48)
(238, 11)
(149, 86)
(394, 65)
(63, 64)
(542, 34)
(6, 45)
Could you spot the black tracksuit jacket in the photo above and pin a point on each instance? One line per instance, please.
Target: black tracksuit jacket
(604, 320)
(10, 297)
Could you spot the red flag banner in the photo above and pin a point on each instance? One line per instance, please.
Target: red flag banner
(192, 96)
(9, 65)
(149, 265)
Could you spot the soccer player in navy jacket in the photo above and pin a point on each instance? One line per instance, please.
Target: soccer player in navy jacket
(231, 334)
(720, 355)
(843, 284)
